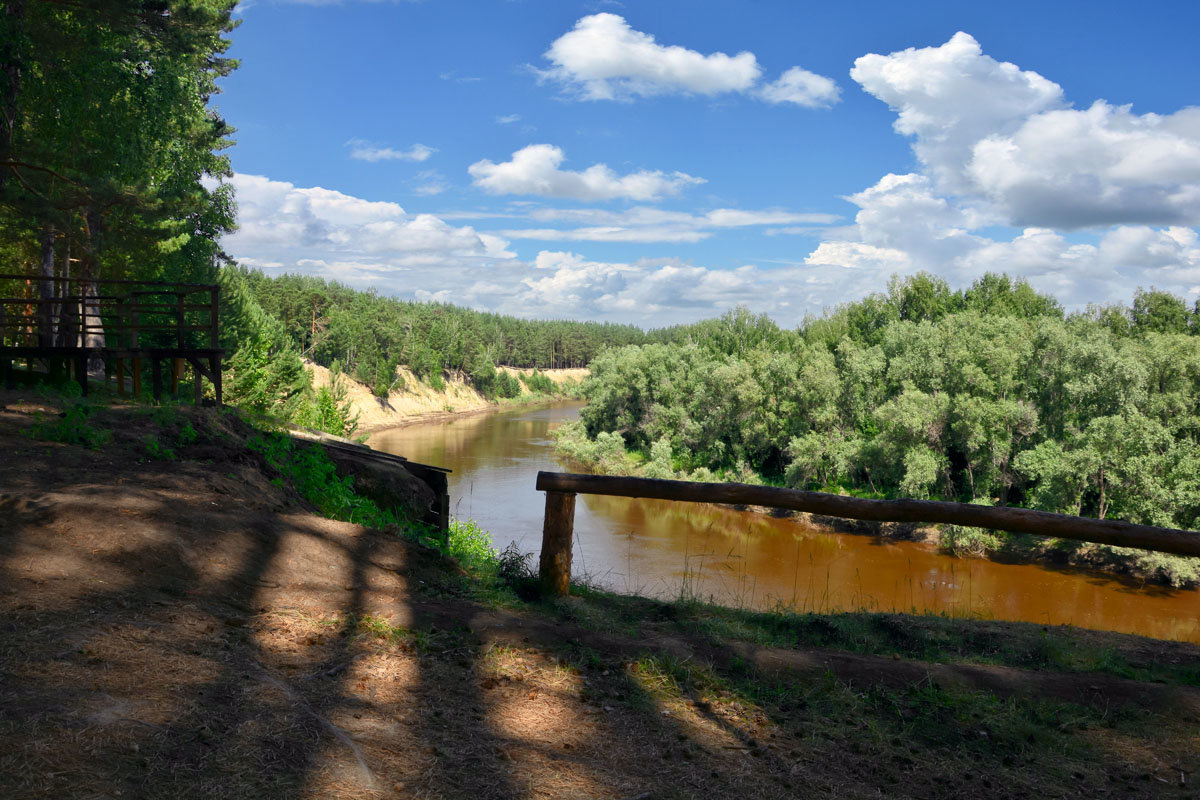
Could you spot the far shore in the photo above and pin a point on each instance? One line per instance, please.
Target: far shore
(416, 402)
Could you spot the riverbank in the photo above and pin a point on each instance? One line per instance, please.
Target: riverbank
(414, 401)
(179, 623)
(607, 455)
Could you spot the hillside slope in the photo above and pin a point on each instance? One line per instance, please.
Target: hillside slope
(188, 629)
(418, 401)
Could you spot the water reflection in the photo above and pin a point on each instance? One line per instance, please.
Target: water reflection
(657, 547)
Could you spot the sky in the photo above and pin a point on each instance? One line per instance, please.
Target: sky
(660, 162)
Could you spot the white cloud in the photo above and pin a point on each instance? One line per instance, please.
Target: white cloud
(535, 170)
(1102, 166)
(648, 224)
(1001, 148)
(804, 88)
(289, 227)
(604, 58)
(610, 234)
(431, 182)
(952, 96)
(452, 75)
(364, 151)
(508, 119)
(654, 292)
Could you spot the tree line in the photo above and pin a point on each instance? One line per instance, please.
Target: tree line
(368, 335)
(991, 394)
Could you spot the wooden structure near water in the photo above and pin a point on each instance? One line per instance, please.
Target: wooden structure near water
(560, 487)
(78, 322)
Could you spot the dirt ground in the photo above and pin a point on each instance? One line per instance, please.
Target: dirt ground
(186, 628)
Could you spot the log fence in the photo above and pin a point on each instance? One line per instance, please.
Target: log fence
(554, 567)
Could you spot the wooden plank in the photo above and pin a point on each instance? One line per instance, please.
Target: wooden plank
(114, 281)
(1014, 520)
(554, 566)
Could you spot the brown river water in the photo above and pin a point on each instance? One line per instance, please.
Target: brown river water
(746, 559)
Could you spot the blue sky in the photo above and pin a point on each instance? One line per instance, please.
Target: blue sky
(660, 162)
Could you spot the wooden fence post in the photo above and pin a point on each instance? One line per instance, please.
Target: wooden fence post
(554, 567)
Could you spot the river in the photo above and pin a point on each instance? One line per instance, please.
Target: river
(745, 559)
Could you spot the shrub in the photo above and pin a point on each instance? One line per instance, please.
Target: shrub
(471, 545)
(539, 383)
(71, 427)
(964, 541)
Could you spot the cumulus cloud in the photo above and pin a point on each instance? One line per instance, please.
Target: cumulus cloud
(365, 151)
(647, 224)
(367, 243)
(287, 226)
(1101, 166)
(653, 292)
(804, 88)
(952, 96)
(535, 170)
(1000, 147)
(604, 58)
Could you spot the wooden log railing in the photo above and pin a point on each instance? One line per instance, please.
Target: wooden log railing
(554, 567)
(78, 319)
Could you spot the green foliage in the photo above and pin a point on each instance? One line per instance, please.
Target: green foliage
(962, 540)
(660, 463)
(386, 379)
(157, 450)
(329, 408)
(494, 383)
(471, 546)
(539, 383)
(265, 373)
(329, 321)
(606, 452)
(989, 393)
(188, 435)
(112, 142)
(314, 475)
(72, 426)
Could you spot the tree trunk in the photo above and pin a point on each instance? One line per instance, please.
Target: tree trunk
(46, 289)
(63, 328)
(93, 334)
(10, 66)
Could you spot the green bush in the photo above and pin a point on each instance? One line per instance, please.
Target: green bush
(314, 475)
(71, 427)
(329, 408)
(539, 383)
(964, 541)
(471, 545)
